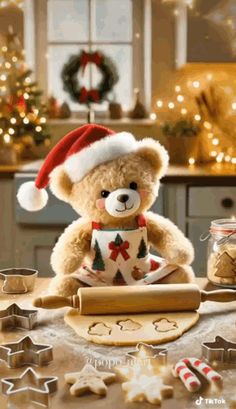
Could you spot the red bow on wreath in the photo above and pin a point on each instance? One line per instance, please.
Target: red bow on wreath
(86, 94)
(95, 58)
(119, 249)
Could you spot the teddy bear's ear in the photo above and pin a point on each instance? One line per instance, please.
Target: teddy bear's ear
(155, 154)
(60, 184)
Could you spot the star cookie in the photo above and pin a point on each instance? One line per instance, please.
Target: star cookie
(89, 380)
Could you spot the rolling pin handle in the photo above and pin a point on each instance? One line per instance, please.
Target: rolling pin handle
(56, 301)
(218, 295)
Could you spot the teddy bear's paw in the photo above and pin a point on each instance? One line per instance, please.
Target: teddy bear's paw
(182, 274)
(64, 286)
(181, 256)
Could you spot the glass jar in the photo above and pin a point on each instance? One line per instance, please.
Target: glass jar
(221, 263)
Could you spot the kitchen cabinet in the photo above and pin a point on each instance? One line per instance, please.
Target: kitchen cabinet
(190, 197)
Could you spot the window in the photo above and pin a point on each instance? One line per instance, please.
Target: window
(115, 27)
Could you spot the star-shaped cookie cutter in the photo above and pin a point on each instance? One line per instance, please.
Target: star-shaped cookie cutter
(18, 280)
(15, 317)
(148, 352)
(25, 352)
(29, 386)
(220, 350)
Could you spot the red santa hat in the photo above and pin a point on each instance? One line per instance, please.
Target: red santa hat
(79, 151)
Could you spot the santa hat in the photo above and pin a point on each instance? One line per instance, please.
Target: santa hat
(79, 151)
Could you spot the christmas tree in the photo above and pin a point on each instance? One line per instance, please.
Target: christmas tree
(226, 267)
(119, 279)
(22, 115)
(142, 250)
(98, 263)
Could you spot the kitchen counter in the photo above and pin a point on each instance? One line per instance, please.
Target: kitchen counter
(71, 352)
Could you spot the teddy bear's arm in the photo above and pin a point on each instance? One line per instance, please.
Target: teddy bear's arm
(71, 248)
(168, 240)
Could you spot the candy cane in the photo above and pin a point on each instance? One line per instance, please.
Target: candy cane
(205, 370)
(188, 378)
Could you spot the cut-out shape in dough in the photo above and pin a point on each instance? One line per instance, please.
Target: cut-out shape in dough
(129, 325)
(99, 328)
(164, 325)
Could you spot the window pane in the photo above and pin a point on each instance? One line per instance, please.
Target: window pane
(122, 57)
(113, 20)
(68, 20)
(57, 57)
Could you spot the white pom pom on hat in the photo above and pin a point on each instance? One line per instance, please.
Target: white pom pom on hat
(31, 198)
(80, 151)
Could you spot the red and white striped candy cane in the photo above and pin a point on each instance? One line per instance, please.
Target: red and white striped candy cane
(189, 379)
(205, 370)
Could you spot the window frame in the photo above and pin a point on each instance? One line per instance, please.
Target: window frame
(141, 45)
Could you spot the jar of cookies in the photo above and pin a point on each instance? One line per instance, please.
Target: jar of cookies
(221, 264)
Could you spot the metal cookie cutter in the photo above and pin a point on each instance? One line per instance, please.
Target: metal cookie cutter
(148, 352)
(25, 352)
(18, 280)
(29, 386)
(220, 350)
(15, 317)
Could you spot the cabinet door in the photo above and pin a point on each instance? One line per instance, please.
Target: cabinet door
(158, 206)
(195, 229)
(6, 224)
(34, 247)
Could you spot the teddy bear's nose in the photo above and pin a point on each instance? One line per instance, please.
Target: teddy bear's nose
(123, 198)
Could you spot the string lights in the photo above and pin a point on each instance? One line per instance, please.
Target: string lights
(199, 100)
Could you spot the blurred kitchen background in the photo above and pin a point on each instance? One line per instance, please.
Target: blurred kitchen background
(159, 68)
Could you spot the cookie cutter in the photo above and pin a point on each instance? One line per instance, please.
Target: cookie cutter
(220, 350)
(30, 387)
(15, 317)
(25, 352)
(147, 352)
(18, 280)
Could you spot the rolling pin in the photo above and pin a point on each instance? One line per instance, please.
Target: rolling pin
(136, 299)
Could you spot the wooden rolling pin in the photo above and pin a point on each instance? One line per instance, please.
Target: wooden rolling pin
(136, 299)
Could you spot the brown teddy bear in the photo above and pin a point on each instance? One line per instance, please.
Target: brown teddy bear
(111, 180)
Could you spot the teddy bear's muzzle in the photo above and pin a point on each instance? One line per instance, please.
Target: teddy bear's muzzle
(122, 202)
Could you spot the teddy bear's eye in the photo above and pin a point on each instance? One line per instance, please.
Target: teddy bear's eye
(133, 185)
(105, 193)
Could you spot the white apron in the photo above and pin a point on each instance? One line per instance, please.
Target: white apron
(121, 257)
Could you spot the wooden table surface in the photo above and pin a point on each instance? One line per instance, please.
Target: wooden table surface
(71, 352)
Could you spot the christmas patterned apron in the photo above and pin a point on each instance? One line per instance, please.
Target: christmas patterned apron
(121, 257)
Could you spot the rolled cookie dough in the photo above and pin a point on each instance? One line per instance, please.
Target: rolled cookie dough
(147, 331)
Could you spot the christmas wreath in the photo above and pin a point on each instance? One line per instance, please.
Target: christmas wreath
(79, 62)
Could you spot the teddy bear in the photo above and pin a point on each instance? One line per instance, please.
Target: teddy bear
(111, 180)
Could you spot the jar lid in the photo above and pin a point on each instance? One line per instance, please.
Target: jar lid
(223, 226)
